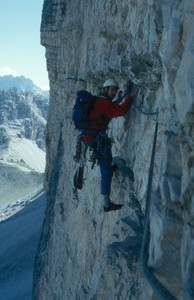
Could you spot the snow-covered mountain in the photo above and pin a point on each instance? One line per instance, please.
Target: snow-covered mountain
(23, 117)
(21, 83)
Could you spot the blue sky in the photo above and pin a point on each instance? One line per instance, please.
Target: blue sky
(20, 49)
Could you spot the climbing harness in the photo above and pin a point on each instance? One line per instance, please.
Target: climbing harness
(160, 290)
(104, 144)
(80, 152)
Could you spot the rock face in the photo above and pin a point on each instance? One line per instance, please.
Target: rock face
(84, 253)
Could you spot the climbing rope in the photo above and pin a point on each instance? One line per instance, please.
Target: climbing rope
(159, 289)
(140, 109)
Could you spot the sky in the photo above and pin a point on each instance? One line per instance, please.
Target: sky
(20, 49)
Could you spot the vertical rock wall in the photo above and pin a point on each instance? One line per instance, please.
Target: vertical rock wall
(84, 253)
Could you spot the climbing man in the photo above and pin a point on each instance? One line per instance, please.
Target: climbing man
(104, 110)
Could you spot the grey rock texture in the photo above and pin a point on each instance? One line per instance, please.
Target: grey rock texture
(84, 253)
(25, 114)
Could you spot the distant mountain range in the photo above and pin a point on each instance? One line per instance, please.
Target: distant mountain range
(22, 116)
(22, 84)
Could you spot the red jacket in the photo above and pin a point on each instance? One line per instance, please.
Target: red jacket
(103, 111)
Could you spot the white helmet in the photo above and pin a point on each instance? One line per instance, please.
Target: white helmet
(110, 82)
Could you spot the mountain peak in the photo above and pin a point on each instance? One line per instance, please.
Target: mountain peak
(21, 83)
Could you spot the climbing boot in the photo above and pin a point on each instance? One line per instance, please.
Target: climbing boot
(112, 206)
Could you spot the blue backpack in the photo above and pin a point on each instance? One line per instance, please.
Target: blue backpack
(81, 112)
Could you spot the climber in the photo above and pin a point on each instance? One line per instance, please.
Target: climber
(104, 110)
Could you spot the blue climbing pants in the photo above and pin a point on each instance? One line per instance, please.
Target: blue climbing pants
(106, 175)
(102, 149)
(104, 156)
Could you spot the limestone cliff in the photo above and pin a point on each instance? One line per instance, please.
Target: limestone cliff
(84, 253)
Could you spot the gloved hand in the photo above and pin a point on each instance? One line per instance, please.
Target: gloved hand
(131, 89)
(120, 97)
